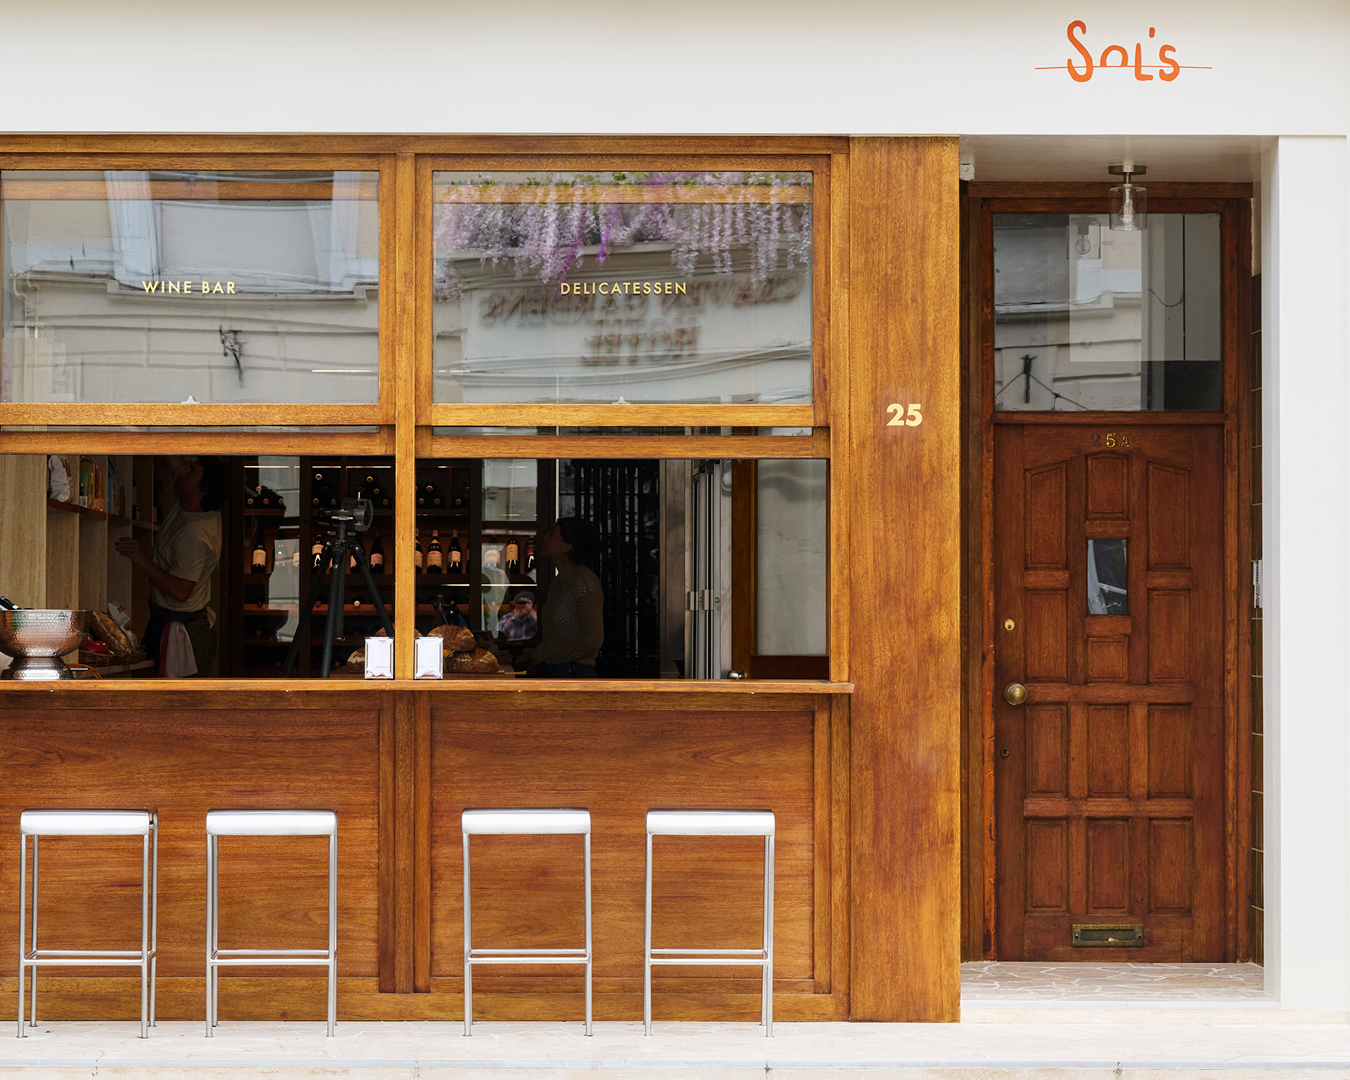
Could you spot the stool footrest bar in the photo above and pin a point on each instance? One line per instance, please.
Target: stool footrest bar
(527, 952)
(272, 952)
(716, 962)
(708, 952)
(528, 960)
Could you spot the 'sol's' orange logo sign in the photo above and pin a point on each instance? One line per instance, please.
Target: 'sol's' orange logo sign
(1082, 66)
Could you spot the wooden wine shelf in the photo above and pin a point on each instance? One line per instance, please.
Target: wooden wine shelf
(98, 515)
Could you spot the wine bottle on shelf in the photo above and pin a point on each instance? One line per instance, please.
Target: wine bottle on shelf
(377, 555)
(435, 558)
(430, 497)
(529, 555)
(251, 496)
(417, 553)
(512, 556)
(456, 556)
(316, 551)
(359, 602)
(259, 561)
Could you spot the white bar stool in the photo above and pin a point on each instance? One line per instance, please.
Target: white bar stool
(712, 823)
(524, 823)
(142, 823)
(266, 823)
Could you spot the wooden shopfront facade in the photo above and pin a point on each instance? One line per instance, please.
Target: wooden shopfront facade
(856, 749)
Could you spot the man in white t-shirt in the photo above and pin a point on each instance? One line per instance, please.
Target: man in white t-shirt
(185, 555)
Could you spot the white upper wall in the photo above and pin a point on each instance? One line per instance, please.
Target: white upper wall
(696, 66)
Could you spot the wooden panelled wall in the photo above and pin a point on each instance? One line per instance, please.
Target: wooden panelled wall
(865, 784)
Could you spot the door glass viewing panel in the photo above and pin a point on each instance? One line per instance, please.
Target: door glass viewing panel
(165, 286)
(1086, 318)
(633, 287)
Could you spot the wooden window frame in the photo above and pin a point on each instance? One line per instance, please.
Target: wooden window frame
(405, 416)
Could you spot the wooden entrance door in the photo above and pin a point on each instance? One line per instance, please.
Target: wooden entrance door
(1109, 778)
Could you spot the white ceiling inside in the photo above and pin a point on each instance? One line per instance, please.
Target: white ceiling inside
(1085, 157)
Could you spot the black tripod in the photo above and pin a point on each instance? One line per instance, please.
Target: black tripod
(334, 556)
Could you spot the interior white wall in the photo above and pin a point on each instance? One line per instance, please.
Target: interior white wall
(702, 66)
(1306, 463)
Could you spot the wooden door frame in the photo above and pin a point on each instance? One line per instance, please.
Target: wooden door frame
(979, 827)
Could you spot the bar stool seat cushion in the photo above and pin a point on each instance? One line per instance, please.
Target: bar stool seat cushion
(710, 822)
(528, 822)
(84, 822)
(271, 823)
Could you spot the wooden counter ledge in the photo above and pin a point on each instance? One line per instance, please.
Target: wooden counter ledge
(463, 686)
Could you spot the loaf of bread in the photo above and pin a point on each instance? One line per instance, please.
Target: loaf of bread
(106, 629)
(456, 638)
(478, 662)
(483, 661)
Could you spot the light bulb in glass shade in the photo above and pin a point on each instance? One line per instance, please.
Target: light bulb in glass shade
(1083, 244)
(1129, 207)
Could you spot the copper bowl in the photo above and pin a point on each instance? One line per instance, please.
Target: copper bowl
(37, 638)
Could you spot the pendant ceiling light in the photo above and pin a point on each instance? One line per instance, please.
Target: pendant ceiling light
(1129, 202)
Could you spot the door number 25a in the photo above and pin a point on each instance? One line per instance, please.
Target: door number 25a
(904, 415)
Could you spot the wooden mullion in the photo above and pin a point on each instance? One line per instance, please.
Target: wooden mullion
(147, 414)
(673, 414)
(301, 146)
(196, 442)
(424, 363)
(707, 156)
(405, 404)
(168, 153)
(820, 298)
(389, 292)
(838, 360)
(623, 446)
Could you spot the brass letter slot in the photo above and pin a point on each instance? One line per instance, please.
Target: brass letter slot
(1108, 935)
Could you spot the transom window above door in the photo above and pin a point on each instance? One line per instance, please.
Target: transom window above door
(1089, 319)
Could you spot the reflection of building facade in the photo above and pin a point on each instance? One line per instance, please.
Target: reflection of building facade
(251, 300)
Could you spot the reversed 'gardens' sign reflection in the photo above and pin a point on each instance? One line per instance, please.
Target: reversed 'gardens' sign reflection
(641, 287)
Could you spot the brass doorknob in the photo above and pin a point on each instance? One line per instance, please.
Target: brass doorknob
(1014, 693)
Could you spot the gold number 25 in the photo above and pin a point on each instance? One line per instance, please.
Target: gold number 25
(903, 417)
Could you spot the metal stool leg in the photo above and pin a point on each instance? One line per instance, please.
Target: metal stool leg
(145, 936)
(768, 936)
(33, 968)
(210, 931)
(154, 913)
(589, 956)
(332, 936)
(647, 948)
(468, 946)
(23, 918)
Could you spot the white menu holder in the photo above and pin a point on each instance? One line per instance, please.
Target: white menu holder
(427, 652)
(379, 658)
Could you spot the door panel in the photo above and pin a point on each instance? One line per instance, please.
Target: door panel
(1108, 801)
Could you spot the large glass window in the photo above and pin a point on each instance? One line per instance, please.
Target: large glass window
(1086, 318)
(623, 287)
(190, 286)
(629, 568)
